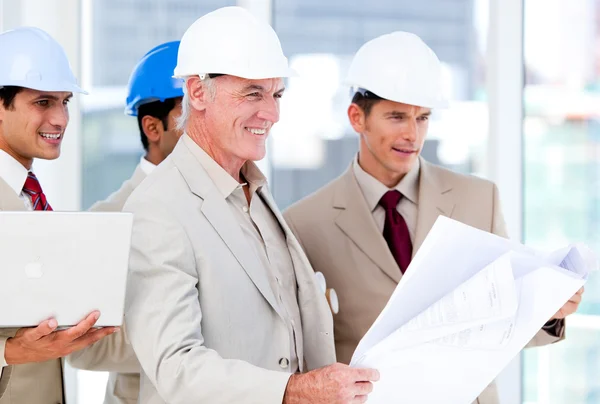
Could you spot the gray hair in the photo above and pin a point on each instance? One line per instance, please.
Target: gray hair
(186, 107)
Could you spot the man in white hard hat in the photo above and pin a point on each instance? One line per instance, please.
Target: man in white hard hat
(362, 229)
(154, 98)
(222, 305)
(36, 84)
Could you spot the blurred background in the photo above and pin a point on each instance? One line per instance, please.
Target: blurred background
(524, 77)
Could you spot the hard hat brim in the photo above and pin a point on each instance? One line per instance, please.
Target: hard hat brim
(284, 73)
(73, 88)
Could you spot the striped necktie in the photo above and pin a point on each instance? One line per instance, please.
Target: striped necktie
(33, 188)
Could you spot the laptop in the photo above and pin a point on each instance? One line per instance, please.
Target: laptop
(63, 265)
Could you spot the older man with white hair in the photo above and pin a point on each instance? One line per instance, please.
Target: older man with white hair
(222, 304)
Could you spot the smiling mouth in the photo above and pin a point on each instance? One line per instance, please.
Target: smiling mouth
(404, 150)
(51, 136)
(256, 131)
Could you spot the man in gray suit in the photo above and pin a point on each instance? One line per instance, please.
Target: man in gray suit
(36, 85)
(154, 97)
(222, 305)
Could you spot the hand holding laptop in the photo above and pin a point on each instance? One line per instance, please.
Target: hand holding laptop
(44, 342)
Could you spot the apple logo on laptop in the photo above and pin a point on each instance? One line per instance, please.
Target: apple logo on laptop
(33, 270)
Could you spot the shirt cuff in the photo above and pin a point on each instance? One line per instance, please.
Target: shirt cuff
(2, 359)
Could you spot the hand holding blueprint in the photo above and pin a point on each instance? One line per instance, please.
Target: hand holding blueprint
(467, 305)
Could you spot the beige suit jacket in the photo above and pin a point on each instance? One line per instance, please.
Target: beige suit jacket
(33, 383)
(200, 312)
(114, 353)
(337, 231)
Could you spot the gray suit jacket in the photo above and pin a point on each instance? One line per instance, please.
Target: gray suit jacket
(200, 312)
(340, 237)
(32, 383)
(114, 353)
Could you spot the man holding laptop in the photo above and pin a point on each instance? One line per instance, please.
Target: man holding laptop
(36, 84)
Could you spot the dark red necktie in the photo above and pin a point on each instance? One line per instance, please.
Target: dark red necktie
(395, 230)
(33, 188)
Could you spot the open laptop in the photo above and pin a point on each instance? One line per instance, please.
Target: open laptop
(63, 265)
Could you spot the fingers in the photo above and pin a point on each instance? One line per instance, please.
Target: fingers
(580, 291)
(80, 329)
(92, 336)
(363, 388)
(569, 308)
(45, 328)
(366, 375)
(575, 299)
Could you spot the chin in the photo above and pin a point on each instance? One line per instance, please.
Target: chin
(49, 155)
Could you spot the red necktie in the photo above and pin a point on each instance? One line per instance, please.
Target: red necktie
(395, 230)
(33, 188)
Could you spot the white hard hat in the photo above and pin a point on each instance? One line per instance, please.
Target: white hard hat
(33, 59)
(231, 41)
(399, 67)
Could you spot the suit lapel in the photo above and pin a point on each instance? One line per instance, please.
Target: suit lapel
(9, 201)
(356, 221)
(435, 199)
(216, 211)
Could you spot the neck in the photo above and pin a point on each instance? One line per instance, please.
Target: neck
(231, 164)
(373, 167)
(154, 156)
(25, 162)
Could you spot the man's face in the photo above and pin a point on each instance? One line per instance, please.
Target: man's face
(34, 126)
(392, 134)
(170, 137)
(241, 115)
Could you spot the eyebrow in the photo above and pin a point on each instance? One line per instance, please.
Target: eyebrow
(51, 97)
(256, 87)
(403, 114)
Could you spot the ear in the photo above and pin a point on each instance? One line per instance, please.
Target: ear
(357, 118)
(153, 128)
(197, 93)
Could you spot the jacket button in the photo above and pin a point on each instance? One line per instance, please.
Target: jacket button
(284, 363)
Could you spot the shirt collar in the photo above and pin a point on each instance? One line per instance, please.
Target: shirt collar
(373, 190)
(224, 182)
(12, 172)
(146, 166)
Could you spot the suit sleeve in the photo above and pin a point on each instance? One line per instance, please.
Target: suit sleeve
(111, 354)
(552, 331)
(114, 352)
(163, 317)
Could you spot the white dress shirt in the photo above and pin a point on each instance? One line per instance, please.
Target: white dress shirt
(373, 191)
(146, 166)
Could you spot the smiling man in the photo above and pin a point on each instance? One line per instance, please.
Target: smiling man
(222, 306)
(362, 230)
(36, 84)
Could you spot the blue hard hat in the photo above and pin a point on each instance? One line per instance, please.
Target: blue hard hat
(152, 78)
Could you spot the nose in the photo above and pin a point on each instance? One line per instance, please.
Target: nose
(269, 111)
(410, 131)
(59, 117)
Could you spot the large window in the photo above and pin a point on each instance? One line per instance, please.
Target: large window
(314, 143)
(116, 34)
(562, 180)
